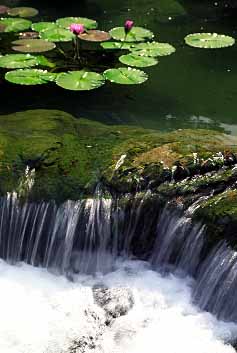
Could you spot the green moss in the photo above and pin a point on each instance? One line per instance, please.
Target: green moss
(197, 184)
(219, 213)
(71, 155)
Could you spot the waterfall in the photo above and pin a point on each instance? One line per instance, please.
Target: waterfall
(76, 236)
(216, 286)
(88, 235)
(179, 242)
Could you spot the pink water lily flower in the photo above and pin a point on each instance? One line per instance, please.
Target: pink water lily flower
(77, 28)
(128, 25)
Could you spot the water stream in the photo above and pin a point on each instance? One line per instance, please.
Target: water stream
(179, 302)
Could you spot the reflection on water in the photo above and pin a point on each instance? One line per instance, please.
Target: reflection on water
(190, 83)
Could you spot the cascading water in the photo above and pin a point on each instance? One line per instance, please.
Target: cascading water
(77, 236)
(105, 237)
(216, 285)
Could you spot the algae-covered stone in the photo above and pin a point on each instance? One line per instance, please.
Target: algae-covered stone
(70, 156)
(219, 213)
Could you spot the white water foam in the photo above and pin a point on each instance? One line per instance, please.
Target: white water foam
(41, 313)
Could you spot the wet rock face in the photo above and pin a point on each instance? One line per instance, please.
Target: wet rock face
(115, 301)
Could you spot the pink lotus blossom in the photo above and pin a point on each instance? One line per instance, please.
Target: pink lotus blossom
(128, 25)
(77, 28)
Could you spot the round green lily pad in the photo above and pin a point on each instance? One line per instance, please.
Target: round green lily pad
(3, 9)
(14, 24)
(30, 77)
(43, 26)
(80, 80)
(86, 22)
(18, 61)
(137, 34)
(153, 49)
(57, 34)
(116, 45)
(32, 45)
(138, 61)
(94, 35)
(23, 12)
(126, 76)
(209, 40)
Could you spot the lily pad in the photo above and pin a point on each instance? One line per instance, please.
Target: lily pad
(137, 34)
(116, 45)
(30, 77)
(209, 40)
(126, 76)
(23, 12)
(94, 35)
(80, 80)
(18, 61)
(43, 61)
(43, 26)
(86, 22)
(153, 49)
(57, 34)
(14, 24)
(32, 45)
(3, 9)
(138, 61)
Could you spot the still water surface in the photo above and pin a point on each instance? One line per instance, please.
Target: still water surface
(192, 88)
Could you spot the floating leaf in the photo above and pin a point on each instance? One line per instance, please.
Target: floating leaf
(126, 76)
(32, 45)
(23, 12)
(116, 45)
(86, 22)
(43, 61)
(209, 40)
(153, 49)
(3, 9)
(80, 80)
(30, 76)
(57, 34)
(14, 24)
(18, 61)
(28, 35)
(43, 26)
(137, 34)
(94, 35)
(136, 60)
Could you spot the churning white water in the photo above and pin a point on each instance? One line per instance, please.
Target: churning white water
(43, 313)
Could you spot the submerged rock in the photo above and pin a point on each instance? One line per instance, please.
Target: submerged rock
(115, 301)
(88, 341)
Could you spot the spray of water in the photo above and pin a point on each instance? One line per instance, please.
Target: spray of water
(47, 313)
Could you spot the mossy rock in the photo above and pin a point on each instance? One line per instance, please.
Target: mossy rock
(219, 213)
(71, 155)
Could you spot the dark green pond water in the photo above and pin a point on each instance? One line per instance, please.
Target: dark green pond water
(192, 88)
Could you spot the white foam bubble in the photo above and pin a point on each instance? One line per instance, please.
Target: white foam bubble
(41, 313)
